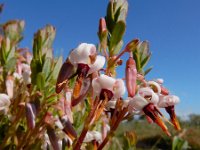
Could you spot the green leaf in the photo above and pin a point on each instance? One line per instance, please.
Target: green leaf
(121, 5)
(40, 81)
(117, 48)
(145, 61)
(57, 68)
(144, 49)
(117, 34)
(13, 30)
(148, 70)
(46, 69)
(110, 17)
(11, 53)
(137, 60)
(117, 14)
(36, 67)
(179, 144)
(10, 65)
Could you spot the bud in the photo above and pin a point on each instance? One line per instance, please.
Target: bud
(53, 138)
(102, 33)
(132, 45)
(131, 76)
(102, 25)
(30, 115)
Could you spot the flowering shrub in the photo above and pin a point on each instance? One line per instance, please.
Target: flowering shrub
(79, 104)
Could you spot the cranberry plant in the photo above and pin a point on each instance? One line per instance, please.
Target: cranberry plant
(78, 104)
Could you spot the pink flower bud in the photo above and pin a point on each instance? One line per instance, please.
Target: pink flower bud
(131, 76)
(102, 25)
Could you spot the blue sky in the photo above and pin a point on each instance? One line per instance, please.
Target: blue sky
(172, 27)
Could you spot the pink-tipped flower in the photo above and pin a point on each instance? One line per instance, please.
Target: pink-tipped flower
(84, 59)
(4, 103)
(139, 103)
(131, 76)
(152, 112)
(168, 103)
(113, 88)
(149, 95)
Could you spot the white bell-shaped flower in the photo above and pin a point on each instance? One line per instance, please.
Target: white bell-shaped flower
(86, 54)
(168, 100)
(4, 103)
(137, 103)
(116, 86)
(148, 93)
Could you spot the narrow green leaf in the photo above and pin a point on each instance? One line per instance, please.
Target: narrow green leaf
(110, 17)
(137, 60)
(145, 61)
(117, 34)
(46, 69)
(10, 65)
(144, 49)
(36, 67)
(117, 48)
(57, 68)
(40, 81)
(11, 53)
(148, 70)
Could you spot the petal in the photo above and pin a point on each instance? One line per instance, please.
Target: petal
(96, 86)
(4, 102)
(148, 92)
(119, 88)
(159, 81)
(168, 100)
(97, 65)
(9, 86)
(97, 136)
(81, 53)
(137, 103)
(106, 82)
(155, 86)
